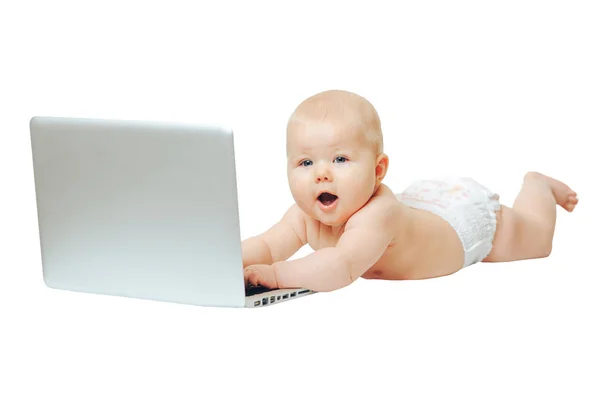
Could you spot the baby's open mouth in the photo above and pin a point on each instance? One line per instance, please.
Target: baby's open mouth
(327, 198)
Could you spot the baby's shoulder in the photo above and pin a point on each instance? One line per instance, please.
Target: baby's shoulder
(382, 209)
(383, 199)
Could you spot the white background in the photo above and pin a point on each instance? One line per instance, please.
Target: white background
(484, 89)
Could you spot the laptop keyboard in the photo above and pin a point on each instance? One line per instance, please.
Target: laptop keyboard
(253, 290)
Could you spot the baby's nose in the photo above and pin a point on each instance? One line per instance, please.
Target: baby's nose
(323, 173)
(323, 177)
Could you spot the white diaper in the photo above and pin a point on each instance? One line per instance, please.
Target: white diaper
(465, 204)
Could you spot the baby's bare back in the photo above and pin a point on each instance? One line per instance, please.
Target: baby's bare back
(424, 245)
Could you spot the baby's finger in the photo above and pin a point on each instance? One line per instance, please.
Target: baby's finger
(251, 275)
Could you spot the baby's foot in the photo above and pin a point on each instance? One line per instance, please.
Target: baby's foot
(564, 196)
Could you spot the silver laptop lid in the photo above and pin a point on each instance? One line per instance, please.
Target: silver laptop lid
(138, 209)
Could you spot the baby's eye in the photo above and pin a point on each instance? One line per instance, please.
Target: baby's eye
(341, 159)
(306, 162)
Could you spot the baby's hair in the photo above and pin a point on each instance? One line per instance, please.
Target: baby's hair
(347, 108)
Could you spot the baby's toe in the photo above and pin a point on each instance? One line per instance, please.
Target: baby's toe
(572, 201)
(573, 198)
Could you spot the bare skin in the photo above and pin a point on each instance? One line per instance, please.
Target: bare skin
(367, 232)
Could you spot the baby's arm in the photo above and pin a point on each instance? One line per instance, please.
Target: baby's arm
(364, 241)
(278, 243)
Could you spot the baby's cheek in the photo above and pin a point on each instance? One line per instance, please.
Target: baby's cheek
(302, 197)
(358, 181)
(297, 181)
(298, 189)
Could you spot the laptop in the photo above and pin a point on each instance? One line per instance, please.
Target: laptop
(142, 209)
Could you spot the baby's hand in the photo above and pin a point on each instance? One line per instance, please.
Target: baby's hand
(263, 275)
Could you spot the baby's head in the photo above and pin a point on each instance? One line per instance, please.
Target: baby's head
(335, 155)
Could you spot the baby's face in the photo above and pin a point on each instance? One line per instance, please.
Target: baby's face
(331, 170)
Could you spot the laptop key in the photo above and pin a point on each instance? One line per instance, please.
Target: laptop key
(253, 290)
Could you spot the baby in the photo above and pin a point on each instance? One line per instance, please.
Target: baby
(358, 227)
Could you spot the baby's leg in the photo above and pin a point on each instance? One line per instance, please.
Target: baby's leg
(526, 230)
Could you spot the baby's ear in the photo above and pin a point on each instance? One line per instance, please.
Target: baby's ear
(381, 167)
